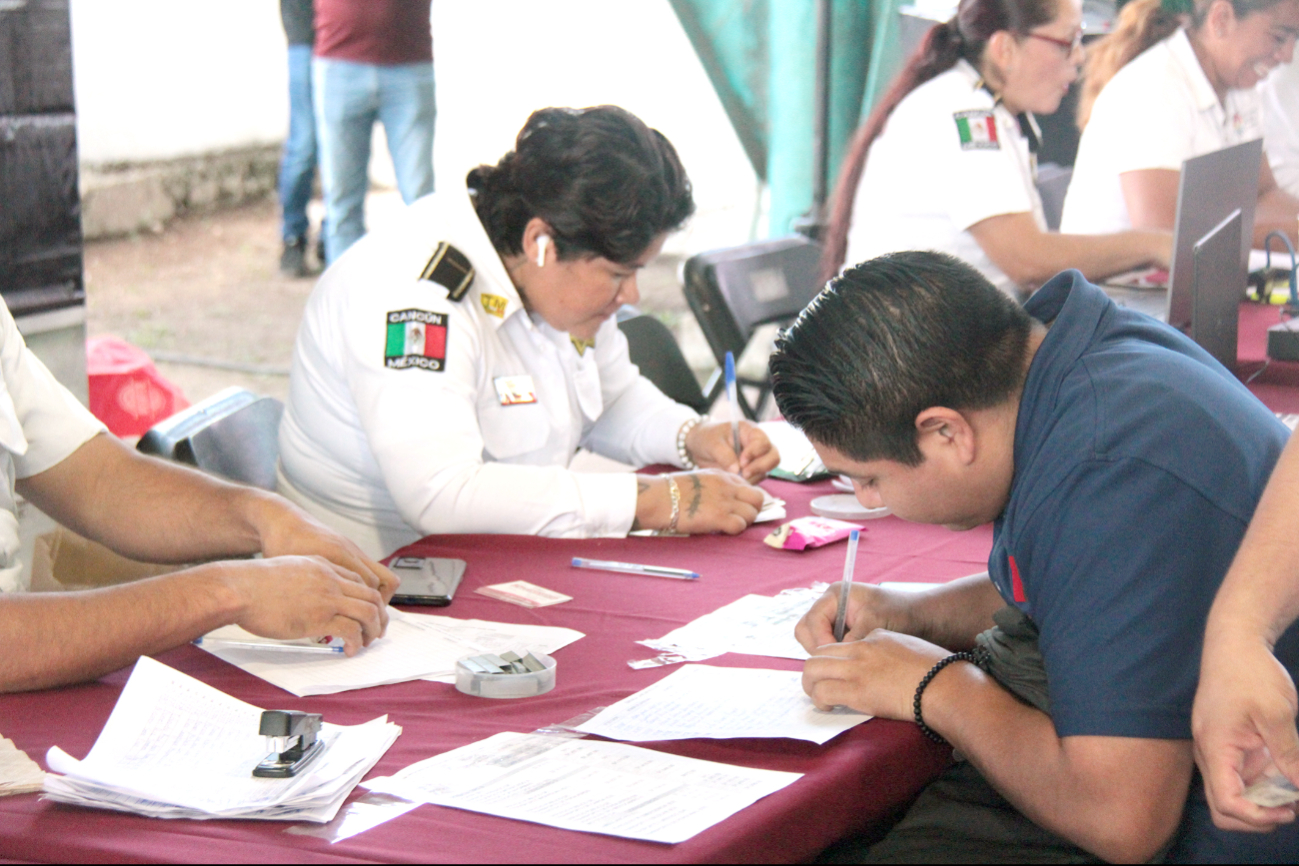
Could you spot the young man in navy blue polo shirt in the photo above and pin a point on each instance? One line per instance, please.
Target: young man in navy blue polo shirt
(1120, 465)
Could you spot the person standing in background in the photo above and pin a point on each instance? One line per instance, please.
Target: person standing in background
(373, 61)
(1279, 93)
(298, 163)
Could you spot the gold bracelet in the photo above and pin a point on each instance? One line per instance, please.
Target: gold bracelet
(675, 492)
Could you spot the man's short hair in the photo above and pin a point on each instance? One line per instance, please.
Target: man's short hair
(889, 338)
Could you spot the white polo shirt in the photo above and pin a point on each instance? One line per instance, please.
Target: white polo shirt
(1279, 96)
(1156, 112)
(412, 413)
(41, 424)
(948, 158)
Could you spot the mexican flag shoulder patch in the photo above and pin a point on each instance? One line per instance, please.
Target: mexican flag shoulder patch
(416, 340)
(977, 129)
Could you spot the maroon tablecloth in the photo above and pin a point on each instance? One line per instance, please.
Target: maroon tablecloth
(1277, 382)
(850, 782)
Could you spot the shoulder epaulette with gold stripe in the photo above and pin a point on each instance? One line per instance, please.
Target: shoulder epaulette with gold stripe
(449, 268)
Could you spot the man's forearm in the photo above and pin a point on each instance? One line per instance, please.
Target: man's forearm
(1260, 596)
(1119, 798)
(953, 614)
(147, 508)
(49, 639)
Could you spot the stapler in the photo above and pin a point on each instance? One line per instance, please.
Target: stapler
(292, 738)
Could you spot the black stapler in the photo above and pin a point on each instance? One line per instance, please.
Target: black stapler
(292, 738)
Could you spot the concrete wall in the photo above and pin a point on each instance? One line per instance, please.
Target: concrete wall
(160, 81)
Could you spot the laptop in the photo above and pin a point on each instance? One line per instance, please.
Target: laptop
(1219, 275)
(1210, 189)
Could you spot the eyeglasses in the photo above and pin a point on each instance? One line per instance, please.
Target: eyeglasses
(1069, 45)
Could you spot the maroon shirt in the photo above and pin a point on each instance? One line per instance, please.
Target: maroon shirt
(381, 32)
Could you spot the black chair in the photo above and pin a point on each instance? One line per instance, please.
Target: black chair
(1052, 184)
(733, 291)
(234, 434)
(655, 351)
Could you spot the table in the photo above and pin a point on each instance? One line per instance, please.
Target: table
(856, 779)
(1277, 383)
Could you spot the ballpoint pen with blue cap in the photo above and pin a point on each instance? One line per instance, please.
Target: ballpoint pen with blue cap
(733, 398)
(841, 615)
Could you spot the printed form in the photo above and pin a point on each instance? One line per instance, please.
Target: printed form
(757, 625)
(416, 646)
(591, 787)
(721, 703)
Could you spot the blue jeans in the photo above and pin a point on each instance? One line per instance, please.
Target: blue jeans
(298, 164)
(350, 97)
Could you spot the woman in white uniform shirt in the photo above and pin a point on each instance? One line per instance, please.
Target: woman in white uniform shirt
(1175, 81)
(946, 160)
(447, 370)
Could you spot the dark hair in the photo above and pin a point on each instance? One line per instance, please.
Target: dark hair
(964, 37)
(889, 338)
(1140, 25)
(605, 182)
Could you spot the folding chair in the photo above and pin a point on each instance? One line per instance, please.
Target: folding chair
(1052, 184)
(733, 291)
(234, 434)
(655, 351)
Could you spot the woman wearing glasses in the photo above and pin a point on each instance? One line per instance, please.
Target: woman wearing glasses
(947, 159)
(1175, 80)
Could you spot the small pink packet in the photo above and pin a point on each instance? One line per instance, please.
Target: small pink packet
(808, 532)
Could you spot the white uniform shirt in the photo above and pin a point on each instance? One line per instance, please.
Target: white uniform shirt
(947, 158)
(472, 428)
(1279, 95)
(1156, 112)
(41, 424)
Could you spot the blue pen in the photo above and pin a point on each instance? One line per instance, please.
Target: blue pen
(635, 568)
(733, 397)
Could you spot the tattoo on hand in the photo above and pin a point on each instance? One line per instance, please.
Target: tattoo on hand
(696, 495)
(642, 487)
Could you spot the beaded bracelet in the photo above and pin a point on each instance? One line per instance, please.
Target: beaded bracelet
(675, 492)
(977, 657)
(684, 453)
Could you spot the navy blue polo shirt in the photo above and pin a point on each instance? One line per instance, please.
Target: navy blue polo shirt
(1139, 461)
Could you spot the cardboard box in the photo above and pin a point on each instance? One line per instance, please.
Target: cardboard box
(64, 561)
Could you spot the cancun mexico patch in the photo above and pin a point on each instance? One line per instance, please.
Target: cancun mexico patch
(978, 130)
(417, 339)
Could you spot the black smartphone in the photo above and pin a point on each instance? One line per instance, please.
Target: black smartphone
(427, 580)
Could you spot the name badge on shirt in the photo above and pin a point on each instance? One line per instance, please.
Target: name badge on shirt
(514, 390)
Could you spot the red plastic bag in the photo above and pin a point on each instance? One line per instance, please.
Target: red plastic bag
(127, 392)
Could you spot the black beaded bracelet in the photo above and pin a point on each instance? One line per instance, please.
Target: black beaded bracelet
(977, 657)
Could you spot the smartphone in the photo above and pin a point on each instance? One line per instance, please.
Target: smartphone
(427, 580)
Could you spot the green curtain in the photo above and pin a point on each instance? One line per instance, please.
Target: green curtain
(761, 58)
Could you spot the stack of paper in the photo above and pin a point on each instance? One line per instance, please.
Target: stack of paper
(177, 748)
(755, 624)
(416, 646)
(721, 703)
(19, 774)
(583, 785)
(798, 459)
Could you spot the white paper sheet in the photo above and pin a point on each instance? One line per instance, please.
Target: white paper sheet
(415, 646)
(721, 703)
(797, 456)
(583, 785)
(758, 625)
(175, 747)
(19, 774)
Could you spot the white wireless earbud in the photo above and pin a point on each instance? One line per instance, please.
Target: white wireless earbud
(543, 241)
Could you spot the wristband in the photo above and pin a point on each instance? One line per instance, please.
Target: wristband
(977, 657)
(682, 452)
